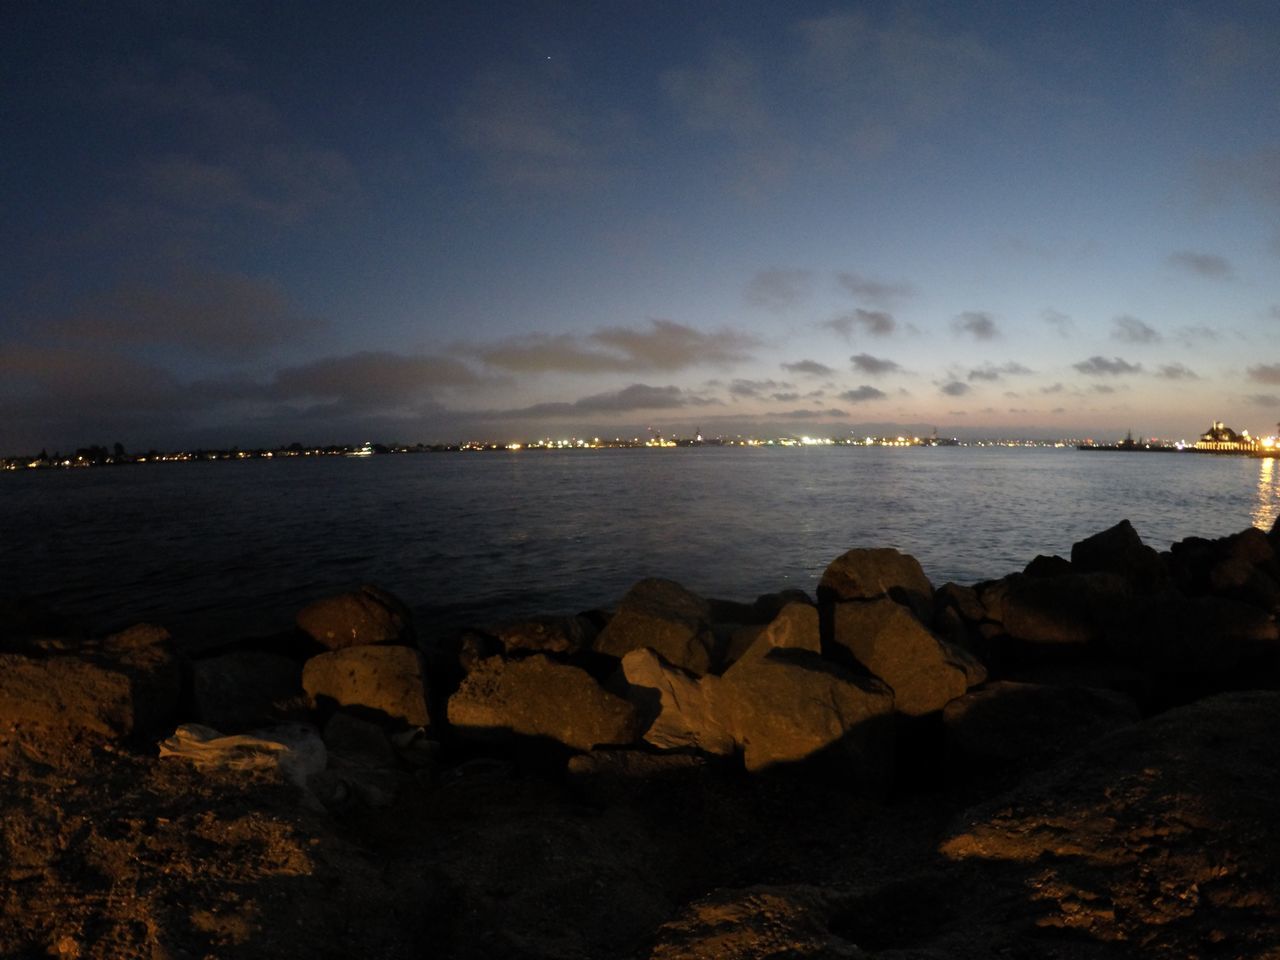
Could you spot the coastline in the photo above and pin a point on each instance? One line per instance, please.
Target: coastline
(794, 773)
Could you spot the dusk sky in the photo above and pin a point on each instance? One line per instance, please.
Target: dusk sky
(255, 223)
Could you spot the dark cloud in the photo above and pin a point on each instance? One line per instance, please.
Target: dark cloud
(778, 290)
(1060, 322)
(220, 314)
(1102, 388)
(723, 96)
(785, 397)
(1189, 336)
(955, 388)
(877, 323)
(818, 413)
(862, 394)
(977, 324)
(755, 388)
(663, 345)
(1176, 371)
(875, 292)
(636, 397)
(1264, 400)
(873, 366)
(991, 372)
(1132, 330)
(371, 380)
(1053, 388)
(1097, 366)
(1201, 264)
(1268, 373)
(809, 368)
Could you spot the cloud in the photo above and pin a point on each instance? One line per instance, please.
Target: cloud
(1102, 388)
(371, 380)
(755, 388)
(225, 315)
(873, 366)
(1188, 336)
(637, 396)
(663, 345)
(877, 323)
(816, 413)
(862, 394)
(1132, 330)
(1264, 400)
(1060, 322)
(1053, 388)
(778, 290)
(876, 292)
(809, 368)
(1268, 373)
(1206, 265)
(785, 397)
(725, 95)
(1097, 366)
(1176, 371)
(991, 372)
(955, 388)
(978, 324)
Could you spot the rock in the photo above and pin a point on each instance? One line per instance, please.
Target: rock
(148, 656)
(1062, 615)
(539, 697)
(1251, 545)
(888, 640)
(64, 695)
(28, 626)
(679, 710)
(565, 635)
(1157, 840)
(364, 616)
(384, 682)
(236, 691)
(754, 924)
(1043, 566)
(769, 605)
(791, 705)
(869, 574)
(1121, 551)
(665, 617)
(964, 600)
(1240, 579)
(1015, 727)
(795, 627)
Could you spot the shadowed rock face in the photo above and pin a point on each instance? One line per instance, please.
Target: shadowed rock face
(666, 618)
(364, 616)
(869, 574)
(890, 642)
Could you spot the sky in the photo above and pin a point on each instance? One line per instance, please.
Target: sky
(254, 224)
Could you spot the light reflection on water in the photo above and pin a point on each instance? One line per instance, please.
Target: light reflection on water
(480, 537)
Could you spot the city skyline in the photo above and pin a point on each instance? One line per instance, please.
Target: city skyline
(243, 225)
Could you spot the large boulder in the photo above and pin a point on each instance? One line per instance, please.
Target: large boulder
(1120, 550)
(795, 626)
(149, 657)
(364, 616)
(665, 617)
(869, 574)
(1060, 616)
(539, 697)
(1157, 840)
(791, 705)
(244, 689)
(679, 710)
(384, 682)
(1193, 636)
(924, 672)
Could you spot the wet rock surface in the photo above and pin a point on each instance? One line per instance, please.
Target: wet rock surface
(1079, 760)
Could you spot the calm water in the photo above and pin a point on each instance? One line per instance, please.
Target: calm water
(211, 548)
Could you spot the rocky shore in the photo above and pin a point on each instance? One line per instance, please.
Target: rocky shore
(1077, 760)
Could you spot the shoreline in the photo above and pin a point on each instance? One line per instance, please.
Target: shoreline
(831, 762)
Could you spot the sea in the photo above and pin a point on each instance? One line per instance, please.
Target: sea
(225, 549)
